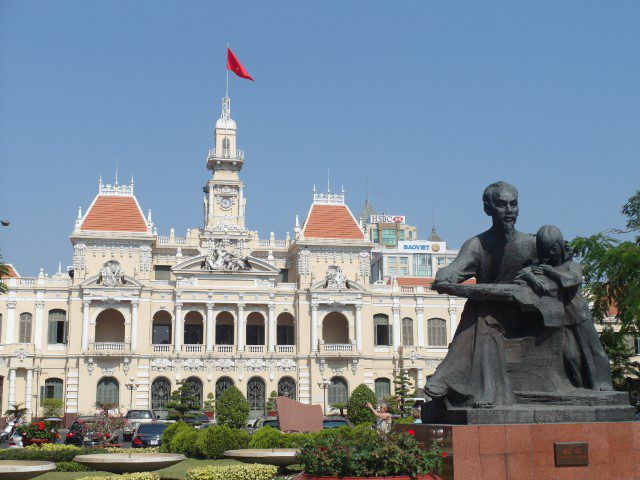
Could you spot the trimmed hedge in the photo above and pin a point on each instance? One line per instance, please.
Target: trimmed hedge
(57, 452)
(71, 467)
(185, 442)
(269, 437)
(170, 432)
(232, 408)
(127, 476)
(233, 472)
(357, 409)
(214, 441)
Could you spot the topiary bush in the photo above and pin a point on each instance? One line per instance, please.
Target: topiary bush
(186, 442)
(214, 441)
(233, 472)
(269, 437)
(357, 409)
(49, 451)
(169, 433)
(71, 467)
(232, 408)
(127, 476)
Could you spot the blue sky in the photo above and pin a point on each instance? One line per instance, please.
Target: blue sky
(429, 100)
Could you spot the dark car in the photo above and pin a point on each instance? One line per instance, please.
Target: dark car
(199, 421)
(76, 430)
(135, 418)
(148, 435)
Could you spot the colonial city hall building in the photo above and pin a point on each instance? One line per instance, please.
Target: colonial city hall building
(140, 312)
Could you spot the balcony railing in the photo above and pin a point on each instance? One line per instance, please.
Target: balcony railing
(255, 348)
(192, 348)
(164, 240)
(109, 346)
(285, 348)
(224, 348)
(225, 153)
(337, 347)
(161, 348)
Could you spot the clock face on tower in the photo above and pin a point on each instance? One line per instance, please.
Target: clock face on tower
(225, 203)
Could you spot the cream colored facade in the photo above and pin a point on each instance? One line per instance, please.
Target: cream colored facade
(131, 287)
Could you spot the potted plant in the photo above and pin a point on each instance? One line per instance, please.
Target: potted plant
(364, 453)
(271, 404)
(210, 405)
(37, 433)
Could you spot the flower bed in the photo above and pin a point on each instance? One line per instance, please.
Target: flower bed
(369, 454)
(37, 433)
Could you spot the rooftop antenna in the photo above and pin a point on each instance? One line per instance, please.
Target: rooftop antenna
(366, 189)
(116, 171)
(433, 218)
(328, 182)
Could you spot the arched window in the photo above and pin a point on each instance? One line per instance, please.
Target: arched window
(225, 146)
(437, 332)
(161, 328)
(335, 328)
(196, 385)
(52, 388)
(222, 384)
(255, 396)
(160, 393)
(287, 388)
(338, 391)
(284, 330)
(24, 334)
(108, 391)
(255, 329)
(224, 329)
(57, 330)
(407, 332)
(381, 330)
(193, 328)
(383, 387)
(109, 326)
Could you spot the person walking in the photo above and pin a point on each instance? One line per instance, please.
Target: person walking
(383, 417)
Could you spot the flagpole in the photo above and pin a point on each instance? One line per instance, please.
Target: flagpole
(227, 69)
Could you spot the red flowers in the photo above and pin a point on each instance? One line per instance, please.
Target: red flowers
(41, 426)
(444, 454)
(411, 432)
(107, 435)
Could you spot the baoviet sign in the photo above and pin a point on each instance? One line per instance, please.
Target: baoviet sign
(387, 218)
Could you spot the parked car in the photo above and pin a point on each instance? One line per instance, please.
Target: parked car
(199, 421)
(148, 435)
(328, 421)
(135, 418)
(75, 436)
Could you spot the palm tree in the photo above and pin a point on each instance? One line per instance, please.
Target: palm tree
(17, 410)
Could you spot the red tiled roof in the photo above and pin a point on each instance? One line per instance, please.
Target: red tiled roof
(11, 271)
(331, 221)
(114, 214)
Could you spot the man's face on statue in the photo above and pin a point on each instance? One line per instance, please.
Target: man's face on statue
(504, 208)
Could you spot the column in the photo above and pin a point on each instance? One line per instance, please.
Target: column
(37, 332)
(453, 322)
(12, 387)
(420, 315)
(134, 324)
(419, 380)
(85, 325)
(271, 332)
(177, 328)
(241, 327)
(358, 327)
(28, 392)
(396, 327)
(210, 212)
(314, 327)
(211, 327)
(11, 321)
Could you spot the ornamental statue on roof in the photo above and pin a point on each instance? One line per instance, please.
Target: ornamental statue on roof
(221, 259)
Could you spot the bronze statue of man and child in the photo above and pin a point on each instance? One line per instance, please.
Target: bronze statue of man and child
(526, 348)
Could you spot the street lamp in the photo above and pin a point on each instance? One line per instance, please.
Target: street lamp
(324, 384)
(131, 386)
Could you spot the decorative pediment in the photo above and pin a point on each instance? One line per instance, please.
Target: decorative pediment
(336, 281)
(202, 264)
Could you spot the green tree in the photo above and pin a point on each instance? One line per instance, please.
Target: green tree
(402, 388)
(232, 408)
(4, 273)
(183, 401)
(611, 264)
(271, 402)
(357, 409)
(209, 403)
(52, 407)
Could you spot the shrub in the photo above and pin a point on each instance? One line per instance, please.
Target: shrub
(233, 472)
(127, 476)
(232, 409)
(366, 453)
(268, 437)
(49, 451)
(52, 407)
(357, 409)
(71, 467)
(169, 433)
(186, 442)
(214, 441)
(271, 402)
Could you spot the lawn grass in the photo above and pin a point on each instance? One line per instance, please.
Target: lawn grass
(177, 472)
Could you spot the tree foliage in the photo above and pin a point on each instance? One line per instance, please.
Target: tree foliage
(232, 408)
(183, 401)
(4, 273)
(357, 409)
(611, 266)
(402, 387)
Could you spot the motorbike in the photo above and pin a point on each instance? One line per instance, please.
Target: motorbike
(10, 428)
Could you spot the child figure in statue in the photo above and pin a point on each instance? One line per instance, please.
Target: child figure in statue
(556, 274)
